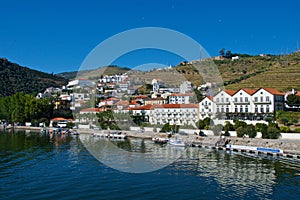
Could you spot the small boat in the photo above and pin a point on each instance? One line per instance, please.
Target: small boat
(160, 140)
(117, 135)
(177, 142)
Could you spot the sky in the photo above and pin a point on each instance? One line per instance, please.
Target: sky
(56, 36)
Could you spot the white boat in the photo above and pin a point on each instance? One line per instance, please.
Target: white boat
(160, 140)
(177, 142)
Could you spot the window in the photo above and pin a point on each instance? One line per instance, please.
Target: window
(261, 99)
(261, 109)
(256, 109)
(267, 99)
(217, 109)
(227, 100)
(227, 109)
(222, 100)
(209, 103)
(255, 99)
(241, 99)
(202, 109)
(241, 109)
(246, 109)
(267, 109)
(222, 109)
(246, 99)
(209, 110)
(235, 99)
(236, 109)
(218, 99)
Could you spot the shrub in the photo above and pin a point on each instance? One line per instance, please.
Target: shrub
(273, 133)
(285, 129)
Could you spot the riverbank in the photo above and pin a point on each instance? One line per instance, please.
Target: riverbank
(290, 148)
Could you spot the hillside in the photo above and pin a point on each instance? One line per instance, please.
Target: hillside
(15, 78)
(95, 73)
(280, 72)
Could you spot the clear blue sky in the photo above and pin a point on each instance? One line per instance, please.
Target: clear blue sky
(56, 36)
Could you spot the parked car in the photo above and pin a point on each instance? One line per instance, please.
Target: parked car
(182, 133)
(201, 133)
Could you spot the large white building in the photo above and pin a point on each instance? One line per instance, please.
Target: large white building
(242, 102)
(179, 114)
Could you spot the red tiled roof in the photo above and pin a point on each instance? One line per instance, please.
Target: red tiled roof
(166, 106)
(249, 91)
(140, 97)
(274, 91)
(112, 99)
(230, 92)
(146, 107)
(122, 103)
(90, 110)
(61, 119)
(182, 95)
(210, 98)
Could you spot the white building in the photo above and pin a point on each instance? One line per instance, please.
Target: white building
(180, 98)
(179, 114)
(206, 108)
(185, 87)
(79, 83)
(243, 103)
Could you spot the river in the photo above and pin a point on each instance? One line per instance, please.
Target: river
(35, 166)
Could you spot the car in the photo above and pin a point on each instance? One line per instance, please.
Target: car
(182, 133)
(140, 131)
(201, 133)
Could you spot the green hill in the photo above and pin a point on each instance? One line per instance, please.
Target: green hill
(95, 73)
(15, 78)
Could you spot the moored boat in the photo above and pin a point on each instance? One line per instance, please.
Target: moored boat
(177, 142)
(160, 140)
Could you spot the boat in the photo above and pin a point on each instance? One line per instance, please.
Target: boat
(177, 142)
(117, 135)
(160, 140)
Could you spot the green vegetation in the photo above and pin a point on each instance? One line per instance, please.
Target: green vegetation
(14, 78)
(287, 117)
(169, 128)
(23, 108)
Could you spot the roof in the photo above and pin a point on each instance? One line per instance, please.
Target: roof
(123, 103)
(182, 95)
(230, 92)
(61, 119)
(90, 110)
(165, 106)
(210, 98)
(249, 91)
(273, 91)
(112, 99)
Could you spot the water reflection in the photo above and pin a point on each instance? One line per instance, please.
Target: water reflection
(231, 174)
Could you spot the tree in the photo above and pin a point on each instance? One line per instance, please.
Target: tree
(250, 131)
(200, 124)
(284, 120)
(228, 126)
(238, 123)
(273, 133)
(228, 54)
(222, 52)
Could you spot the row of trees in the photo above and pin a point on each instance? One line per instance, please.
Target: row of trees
(23, 108)
(270, 131)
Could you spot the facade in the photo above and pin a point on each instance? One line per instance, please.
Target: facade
(179, 114)
(206, 108)
(179, 98)
(243, 104)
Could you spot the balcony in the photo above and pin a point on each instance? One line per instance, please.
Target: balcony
(241, 102)
(223, 103)
(262, 102)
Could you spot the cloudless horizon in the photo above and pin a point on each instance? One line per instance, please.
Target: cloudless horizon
(56, 36)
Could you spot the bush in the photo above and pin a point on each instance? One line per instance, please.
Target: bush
(240, 132)
(285, 129)
(297, 130)
(273, 133)
(226, 133)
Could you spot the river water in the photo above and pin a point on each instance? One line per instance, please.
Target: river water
(35, 166)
